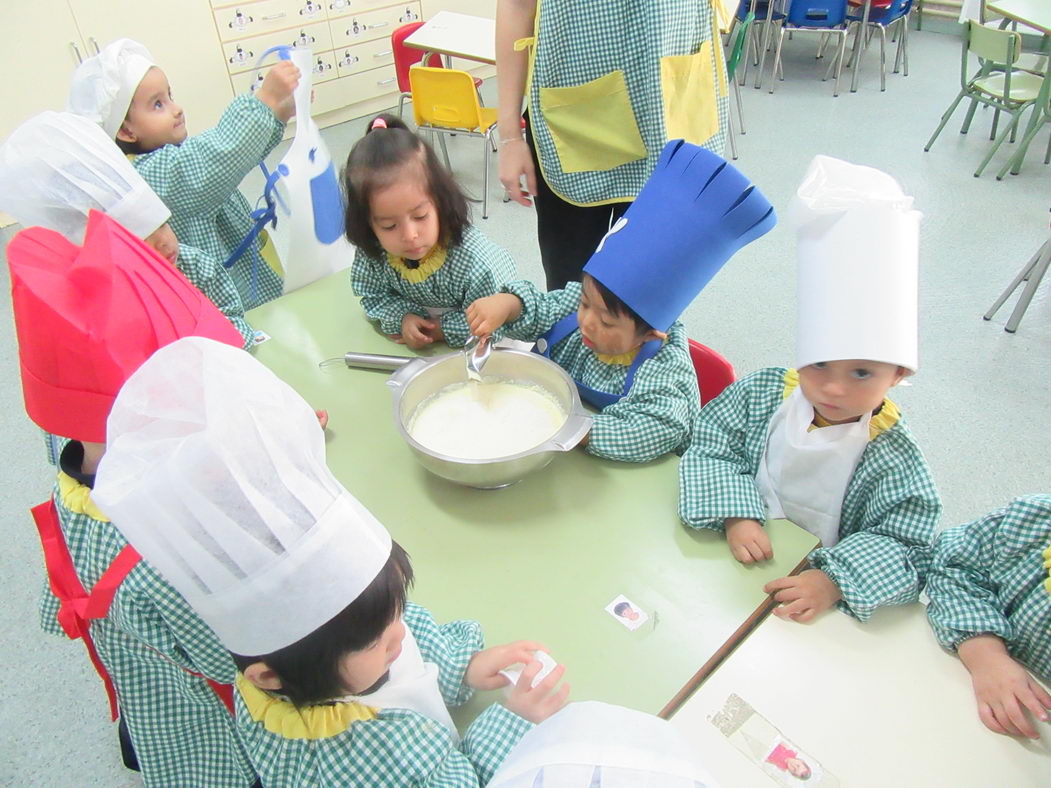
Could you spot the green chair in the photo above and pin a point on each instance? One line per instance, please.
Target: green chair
(1041, 116)
(731, 69)
(1031, 274)
(996, 84)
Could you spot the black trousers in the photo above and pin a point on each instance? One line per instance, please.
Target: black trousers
(568, 234)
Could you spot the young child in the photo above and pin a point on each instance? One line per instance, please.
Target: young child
(216, 473)
(124, 92)
(419, 260)
(617, 333)
(85, 319)
(57, 166)
(991, 604)
(824, 447)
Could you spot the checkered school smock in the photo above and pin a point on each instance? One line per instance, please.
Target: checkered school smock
(577, 43)
(991, 577)
(198, 181)
(183, 734)
(655, 416)
(474, 268)
(399, 747)
(889, 514)
(209, 276)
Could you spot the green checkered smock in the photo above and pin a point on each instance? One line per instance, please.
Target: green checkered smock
(655, 416)
(989, 576)
(182, 732)
(889, 514)
(577, 44)
(399, 747)
(198, 181)
(474, 268)
(215, 282)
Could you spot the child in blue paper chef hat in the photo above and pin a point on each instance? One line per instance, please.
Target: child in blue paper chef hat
(617, 332)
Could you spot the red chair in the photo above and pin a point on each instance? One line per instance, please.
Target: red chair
(406, 57)
(714, 372)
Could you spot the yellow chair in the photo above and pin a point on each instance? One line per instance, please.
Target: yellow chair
(445, 101)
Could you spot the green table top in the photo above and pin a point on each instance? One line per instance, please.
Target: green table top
(538, 560)
(1035, 13)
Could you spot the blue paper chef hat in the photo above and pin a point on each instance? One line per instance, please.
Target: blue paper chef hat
(694, 212)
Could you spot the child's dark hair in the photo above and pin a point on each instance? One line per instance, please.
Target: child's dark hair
(375, 161)
(309, 668)
(618, 307)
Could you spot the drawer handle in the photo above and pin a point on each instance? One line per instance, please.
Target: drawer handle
(385, 53)
(272, 17)
(386, 81)
(377, 25)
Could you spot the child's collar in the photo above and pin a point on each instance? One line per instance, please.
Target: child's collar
(430, 263)
(620, 359)
(281, 716)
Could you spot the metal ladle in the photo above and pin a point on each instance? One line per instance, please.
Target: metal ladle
(476, 352)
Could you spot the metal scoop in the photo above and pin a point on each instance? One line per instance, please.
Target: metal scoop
(476, 352)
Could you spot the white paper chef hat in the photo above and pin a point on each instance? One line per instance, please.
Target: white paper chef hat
(103, 85)
(596, 745)
(215, 472)
(57, 166)
(857, 240)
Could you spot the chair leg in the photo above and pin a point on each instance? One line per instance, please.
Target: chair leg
(777, 58)
(821, 46)
(486, 143)
(996, 122)
(740, 108)
(839, 62)
(731, 135)
(970, 115)
(1015, 162)
(762, 56)
(998, 143)
(401, 104)
(445, 150)
(1031, 274)
(855, 58)
(882, 59)
(945, 119)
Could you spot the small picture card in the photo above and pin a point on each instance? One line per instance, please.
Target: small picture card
(546, 662)
(259, 337)
(627, 612)
(763, 744)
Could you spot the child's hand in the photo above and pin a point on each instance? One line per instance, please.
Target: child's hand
(483, 671)
(322, 418)
(803, 596)
(537, 703)
(417, 332)
(486, 315)
(277, 87)
(748, 540)
(1003, 688)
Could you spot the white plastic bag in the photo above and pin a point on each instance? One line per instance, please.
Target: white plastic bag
(309, 212)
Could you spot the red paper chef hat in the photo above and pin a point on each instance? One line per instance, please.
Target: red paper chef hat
(87, 317)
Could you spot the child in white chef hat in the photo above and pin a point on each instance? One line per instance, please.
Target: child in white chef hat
(344, 681)
(823, 446)
(123, 91)
(57, 167)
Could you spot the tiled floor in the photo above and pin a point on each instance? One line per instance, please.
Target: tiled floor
(980, 406)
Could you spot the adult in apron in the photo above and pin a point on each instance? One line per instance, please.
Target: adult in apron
(114, 301)
(599, 111)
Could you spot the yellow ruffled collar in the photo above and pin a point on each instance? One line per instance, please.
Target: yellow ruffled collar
(888, 416)
(622, 359)
(76, 497)
(1047, 566)
(430, 263)
(310, 722)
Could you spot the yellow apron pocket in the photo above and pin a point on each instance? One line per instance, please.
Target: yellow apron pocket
(690, 103)
(269, 253)
(593, 125)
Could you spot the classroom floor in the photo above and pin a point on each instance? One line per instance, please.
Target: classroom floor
(980, 405)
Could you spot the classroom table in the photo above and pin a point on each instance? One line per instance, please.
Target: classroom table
(1037, 15)
(875, 704)
(540, 559)
(458, 35)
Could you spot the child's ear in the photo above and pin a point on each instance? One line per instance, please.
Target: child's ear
(124, 135)
(903, 372)
(654, 334)
(262, 676)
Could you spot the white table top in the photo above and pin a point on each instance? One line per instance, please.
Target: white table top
(460, 35)
(875, 704)
(1035, 13)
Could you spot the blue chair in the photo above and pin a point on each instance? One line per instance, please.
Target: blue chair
(883, 14)
(828, 17)
(758, 39)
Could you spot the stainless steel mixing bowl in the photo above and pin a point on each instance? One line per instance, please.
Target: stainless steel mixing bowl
(418, 378)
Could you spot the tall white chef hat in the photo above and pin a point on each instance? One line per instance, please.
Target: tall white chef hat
(103, 86)
(857, 238)
(596, 745)
(56, 167)
(215, 472)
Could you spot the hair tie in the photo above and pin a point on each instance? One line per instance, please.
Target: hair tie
(378, 123)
